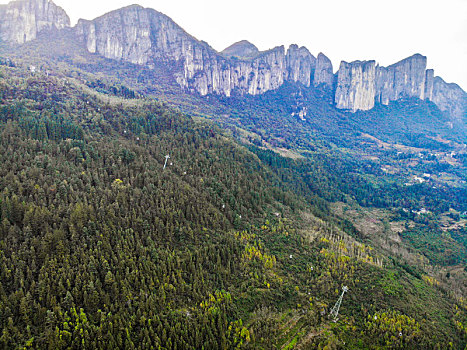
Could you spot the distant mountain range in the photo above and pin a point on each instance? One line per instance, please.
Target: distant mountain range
(149, 38)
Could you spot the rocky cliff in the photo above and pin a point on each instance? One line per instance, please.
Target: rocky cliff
(429, 80)
(22, 20)
(450, 98)
(301, 65)
(356, 85)
(360, 85)
(402, 79)
(146, 37)
(323, 73)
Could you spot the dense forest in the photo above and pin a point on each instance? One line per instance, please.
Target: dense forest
(228, 245)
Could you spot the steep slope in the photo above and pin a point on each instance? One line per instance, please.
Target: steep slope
(362, 84)
(141, 35)
(355, 86)
(145, 36)
(450, 98)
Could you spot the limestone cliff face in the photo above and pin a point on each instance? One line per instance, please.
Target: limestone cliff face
(356, 85)
(22, 20)
(360, 85)
(384, 85)
(136, 35)
(323, 72)
(301, 65)
(402, 79)
(145, 36)
(450, 98)
(429, 80)
(206, 72)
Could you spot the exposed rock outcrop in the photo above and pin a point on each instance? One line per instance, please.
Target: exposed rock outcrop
(402, 79)
(384, 85)
(145, 36)
(301, 65)
(206, 72)
(450, 98)
(429, 76)
(356, 85)
(22, 20)
(323, 72)
(135, 34)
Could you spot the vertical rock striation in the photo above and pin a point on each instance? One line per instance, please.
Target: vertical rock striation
(429, 80)
(450, 98)
(145, 36)
(358, 88)
(323, 72)
(135, 34)
(401, 80)
(301, 65)
(22, 20)
(356, 85)
(384, 85)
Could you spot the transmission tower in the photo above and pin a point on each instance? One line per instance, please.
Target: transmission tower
(166, 159)
(335, 310)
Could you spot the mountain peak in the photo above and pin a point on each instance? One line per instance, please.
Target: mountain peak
(241, 49)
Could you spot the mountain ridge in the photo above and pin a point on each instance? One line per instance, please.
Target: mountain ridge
(147, 37)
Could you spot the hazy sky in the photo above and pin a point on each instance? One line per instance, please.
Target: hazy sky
(386, 31)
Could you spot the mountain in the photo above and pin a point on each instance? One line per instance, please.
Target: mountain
(144, 36)
(149, 38)
(362, 84)
(242, 49)
(140, 36)
(286, 182)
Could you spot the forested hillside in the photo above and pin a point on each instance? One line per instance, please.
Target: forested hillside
(229, 246)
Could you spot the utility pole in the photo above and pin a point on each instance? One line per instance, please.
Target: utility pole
(335, 310)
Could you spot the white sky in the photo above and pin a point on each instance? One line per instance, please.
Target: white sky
(386, 31)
